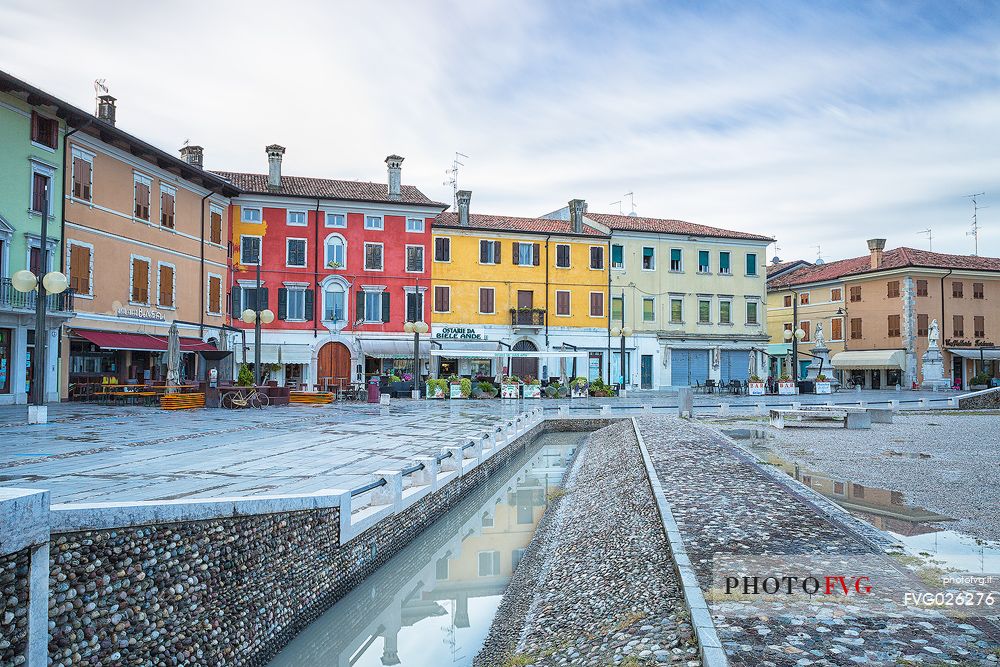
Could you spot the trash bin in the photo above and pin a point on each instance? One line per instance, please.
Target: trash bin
(373, 392)
(807, 387)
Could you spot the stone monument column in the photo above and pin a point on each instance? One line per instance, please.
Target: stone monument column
(821, 357)
(932, 362)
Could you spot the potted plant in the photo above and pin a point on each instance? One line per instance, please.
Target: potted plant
(484, 389)
(823, 385)
(245, 378)
(532, 387)
(455, 387)
(599, 389)
(756, 385)
(579, 387)
(555, 389)
(980, 382)
(436, 388)
(785, 385)
(510, 386)
(334, 265)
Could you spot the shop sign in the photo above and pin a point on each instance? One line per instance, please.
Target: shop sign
(459, 333)
(964, 342)
(135, 313)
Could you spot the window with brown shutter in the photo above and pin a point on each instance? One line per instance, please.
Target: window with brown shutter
(921, 288)
(855, 294)
(805, 326)
(836, 294)
(44, 131)
(958, 326)
(81, 179)
(788, 301)
(562, 255)
(38, 184)
(892, 289)
(167, 209)
(487, 305)
(597, 304)
(79, 269)
(535, 254)
(977, 291)
(141, 200)
(855, 328)
(215, 227)
(562, 302)
(979, 326)
(442, 249)
(214, 294)
(166, 286)
(957, 290)
(836, 329)
(596, 257)
(921, 325)
(442, 299)
(140, 281)
(893, 326)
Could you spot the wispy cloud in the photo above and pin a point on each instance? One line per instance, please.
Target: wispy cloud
(821, 123)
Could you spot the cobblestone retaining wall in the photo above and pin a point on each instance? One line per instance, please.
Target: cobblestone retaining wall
(225, 591)
(981, 400)
(14, 608)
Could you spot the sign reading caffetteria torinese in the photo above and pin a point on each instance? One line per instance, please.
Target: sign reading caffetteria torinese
(465, 333)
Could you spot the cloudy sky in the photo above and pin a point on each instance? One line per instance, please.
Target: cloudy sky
(821, 123)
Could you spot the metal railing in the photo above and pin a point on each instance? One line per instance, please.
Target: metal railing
(530, 317)
(11, 299)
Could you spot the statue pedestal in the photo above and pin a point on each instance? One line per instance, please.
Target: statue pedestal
(820, 363)
(932, 364)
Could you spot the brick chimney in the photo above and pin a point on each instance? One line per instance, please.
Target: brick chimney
(194, 156)
(875, 247)
(106, 108)
(464, 197)
(274, 154)
(577, 209)
(395, 165)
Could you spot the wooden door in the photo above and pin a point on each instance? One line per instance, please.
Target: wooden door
(333, 365)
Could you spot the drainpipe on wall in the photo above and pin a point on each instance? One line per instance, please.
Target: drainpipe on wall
(609, 310)
(62, 213)
(201, 264)
(950, 271)
(547, 313)
(319, 304)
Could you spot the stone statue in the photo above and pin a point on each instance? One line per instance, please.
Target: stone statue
(932, 335)
(819, 335)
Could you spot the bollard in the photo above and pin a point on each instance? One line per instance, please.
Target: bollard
(427, 476)
(383, 399)
(390, 493)
(857, 389)
(724, 409)
(796, 405)
(829, 404)
(861, 404)
(453, 462)
(647, 409)
(685, 401)
(923, 402)
(894, 404)
(605, 410)
(758, 409)
(952, 403)
(564, 411)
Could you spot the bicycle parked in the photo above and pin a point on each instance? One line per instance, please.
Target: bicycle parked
(250, 398)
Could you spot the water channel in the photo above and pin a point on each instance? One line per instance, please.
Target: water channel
(434, 602)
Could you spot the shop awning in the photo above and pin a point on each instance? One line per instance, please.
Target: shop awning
(984, 353)
(138, 342)
(392, 349)
(518, 354)
(865, 359)
(451, 344)
(779, 349)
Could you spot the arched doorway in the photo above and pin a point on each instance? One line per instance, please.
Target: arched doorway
(333, 365)
(524, 366)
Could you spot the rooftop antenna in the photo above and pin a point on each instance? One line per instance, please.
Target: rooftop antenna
(974, 233)
(631, 198)
(452, 174)
(619, 202)
(930, 237)
(819, 255)
(777, 248)
(100, 87)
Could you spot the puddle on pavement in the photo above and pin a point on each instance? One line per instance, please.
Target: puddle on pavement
(921, 531)
(434, 602)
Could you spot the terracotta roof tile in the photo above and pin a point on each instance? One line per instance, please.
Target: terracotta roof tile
(504, 223)
(328, 188)
(637, 224)
(897, 258)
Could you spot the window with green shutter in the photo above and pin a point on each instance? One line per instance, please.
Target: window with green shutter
(725, 312)
(648, 309)
(617, 308)
(752, 313)
(751, 264)
(677, 311)
(617, 257)
(724, 267)
(703, 262)
(704, 311)
(675, 260)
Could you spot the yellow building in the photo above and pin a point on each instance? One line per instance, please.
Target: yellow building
(519, 284)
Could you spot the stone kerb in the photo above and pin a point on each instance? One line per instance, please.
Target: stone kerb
(987, 398)
(24, 527)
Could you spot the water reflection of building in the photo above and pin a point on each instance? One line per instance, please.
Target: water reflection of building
(468, 554)
(883, 508)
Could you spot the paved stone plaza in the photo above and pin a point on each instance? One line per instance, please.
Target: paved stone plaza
(98, 453)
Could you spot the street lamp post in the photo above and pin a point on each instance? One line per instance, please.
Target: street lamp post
(52, 282)
(416, 328)
(796, 333)
(256, 317)
(622, 332)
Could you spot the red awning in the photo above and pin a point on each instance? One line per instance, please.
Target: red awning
(140, 342)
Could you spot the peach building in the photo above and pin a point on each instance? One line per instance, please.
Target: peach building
(145, 245)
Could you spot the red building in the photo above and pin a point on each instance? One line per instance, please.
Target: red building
(343, 265)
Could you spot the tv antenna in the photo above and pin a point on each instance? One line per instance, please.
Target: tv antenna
(631, 198)
(930, 237)
(619, 202)
(974, 232)
(777, 248)
(819, 255)
(100, 87)
(452, 174)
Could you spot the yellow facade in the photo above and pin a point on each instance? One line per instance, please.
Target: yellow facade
(464, 276)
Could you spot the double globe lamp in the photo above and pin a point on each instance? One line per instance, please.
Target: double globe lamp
(53, 282)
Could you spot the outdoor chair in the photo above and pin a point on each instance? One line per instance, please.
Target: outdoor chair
(698, 389)
(709, 386)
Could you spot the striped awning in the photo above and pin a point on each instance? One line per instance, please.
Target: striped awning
(868, 359)
(392, 349)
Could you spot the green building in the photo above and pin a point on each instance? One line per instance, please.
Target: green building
(33, 127)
